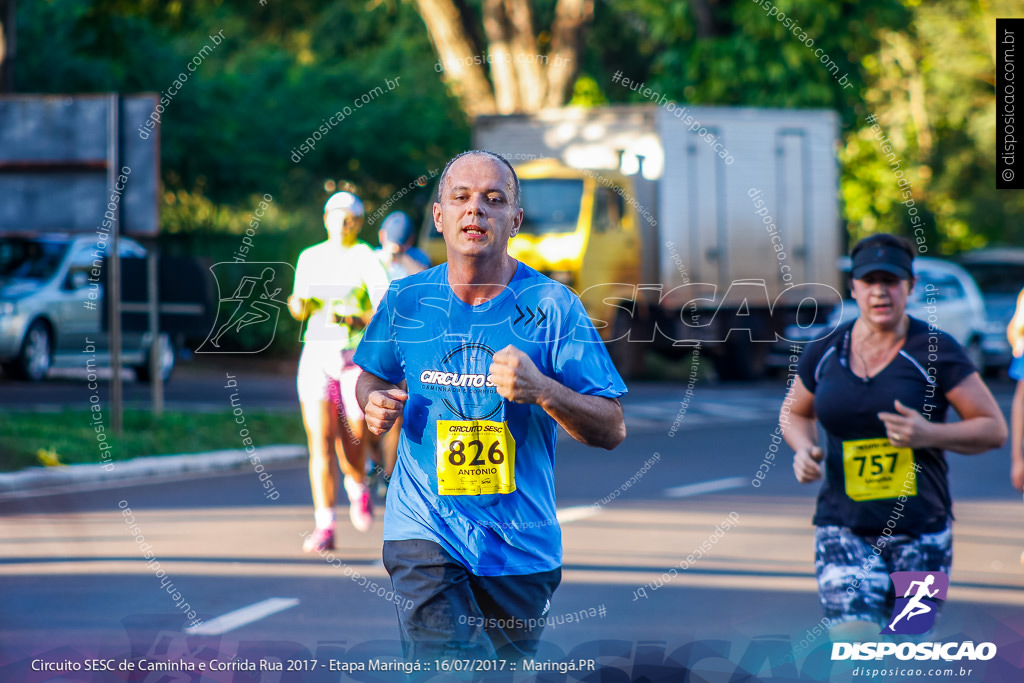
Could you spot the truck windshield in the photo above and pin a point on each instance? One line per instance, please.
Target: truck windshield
(550, 205)
(27, 259)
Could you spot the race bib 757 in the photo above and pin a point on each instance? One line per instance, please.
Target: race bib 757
(875, 469)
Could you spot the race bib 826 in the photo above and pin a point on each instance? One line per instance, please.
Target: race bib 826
(475, 457)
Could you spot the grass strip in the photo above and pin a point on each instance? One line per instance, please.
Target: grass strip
(69, 437)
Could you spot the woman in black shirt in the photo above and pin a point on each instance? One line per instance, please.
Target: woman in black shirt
(880, 387)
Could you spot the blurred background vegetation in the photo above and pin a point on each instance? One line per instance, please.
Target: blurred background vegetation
(924, 70)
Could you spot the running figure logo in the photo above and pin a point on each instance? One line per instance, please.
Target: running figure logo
(255, 303)
(914, 612)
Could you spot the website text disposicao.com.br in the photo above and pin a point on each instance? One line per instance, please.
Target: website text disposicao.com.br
(910, 673)
(946, 661)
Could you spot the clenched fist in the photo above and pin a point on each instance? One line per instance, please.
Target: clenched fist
(806, 465)
(516, 377)
(383, 408)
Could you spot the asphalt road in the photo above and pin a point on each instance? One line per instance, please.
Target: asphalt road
(75, 582)
(191, 387)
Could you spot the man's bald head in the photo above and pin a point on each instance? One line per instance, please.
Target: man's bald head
(513, 178)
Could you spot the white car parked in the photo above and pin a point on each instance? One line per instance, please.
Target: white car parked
(999, 272)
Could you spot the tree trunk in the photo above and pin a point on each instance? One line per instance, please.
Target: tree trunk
(705, 19)
(463, 75)
(571, 18)
(528, 63)
(521, 78)
(500, 55)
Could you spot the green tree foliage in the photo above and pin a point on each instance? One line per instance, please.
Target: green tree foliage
(746, 52)
(923, 70)
(232, 132)
(931, 91)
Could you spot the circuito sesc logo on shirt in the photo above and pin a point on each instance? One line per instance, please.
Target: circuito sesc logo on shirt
(462, 381)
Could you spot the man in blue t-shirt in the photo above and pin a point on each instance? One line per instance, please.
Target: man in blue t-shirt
(495, 356)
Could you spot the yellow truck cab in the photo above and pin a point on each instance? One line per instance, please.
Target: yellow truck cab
(580, 227)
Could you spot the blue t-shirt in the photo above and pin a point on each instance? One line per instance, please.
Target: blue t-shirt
(443, 347)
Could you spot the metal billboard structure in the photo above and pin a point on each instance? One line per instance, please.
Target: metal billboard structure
(74, 164)
(59, 154)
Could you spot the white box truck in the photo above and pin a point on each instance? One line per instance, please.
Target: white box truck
(681, 225)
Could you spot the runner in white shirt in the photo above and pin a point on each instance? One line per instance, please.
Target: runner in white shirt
(338, 284)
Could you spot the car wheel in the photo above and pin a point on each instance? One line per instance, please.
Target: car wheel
(167, 361)
(976, 355)
(33, 362)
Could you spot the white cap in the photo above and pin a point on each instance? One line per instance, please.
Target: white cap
(344, 200)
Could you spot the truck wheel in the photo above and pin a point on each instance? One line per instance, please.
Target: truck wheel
(628, 356)
(167, 359)
(33, 362)
(741, 360)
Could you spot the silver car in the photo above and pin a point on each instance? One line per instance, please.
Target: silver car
(51, 303)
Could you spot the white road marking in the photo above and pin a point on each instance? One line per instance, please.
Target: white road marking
(241, 617)
(566, 515)
(706, 487)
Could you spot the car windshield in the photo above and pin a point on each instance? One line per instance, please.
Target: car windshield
(28, 259)
(550, 205)
(997, 278)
